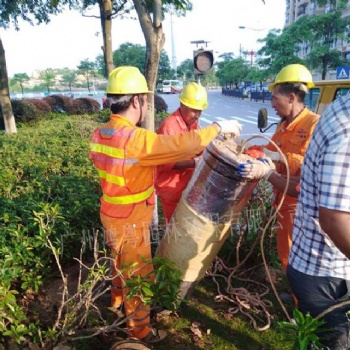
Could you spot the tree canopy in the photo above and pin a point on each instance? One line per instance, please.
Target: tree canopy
(20, 78)
(31, 11)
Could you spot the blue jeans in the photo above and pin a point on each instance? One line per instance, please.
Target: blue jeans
(316, 294)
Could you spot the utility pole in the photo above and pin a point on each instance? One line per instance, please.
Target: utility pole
(173, 44)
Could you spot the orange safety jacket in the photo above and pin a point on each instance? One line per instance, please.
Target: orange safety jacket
(171, 182)
(112, 163)
(126, 156)
(293, 140)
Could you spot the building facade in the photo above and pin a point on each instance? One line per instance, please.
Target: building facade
(298, 8)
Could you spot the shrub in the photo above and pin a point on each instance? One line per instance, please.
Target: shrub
(84, 105)
(59, 103)
(24, 111)
(158, 118)
(159, 104)
(103, 116)
(41, 105)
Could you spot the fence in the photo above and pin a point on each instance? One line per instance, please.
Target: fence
(252, 95)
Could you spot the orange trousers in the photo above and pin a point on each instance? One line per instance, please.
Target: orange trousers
(284, 231)
(129, 241)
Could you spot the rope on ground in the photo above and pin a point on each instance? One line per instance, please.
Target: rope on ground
(250, 305)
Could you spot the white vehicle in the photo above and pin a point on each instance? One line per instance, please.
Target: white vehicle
(172, 86)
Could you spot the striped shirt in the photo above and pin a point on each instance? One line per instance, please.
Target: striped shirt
(325, 181)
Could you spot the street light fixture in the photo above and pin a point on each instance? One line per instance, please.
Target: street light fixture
(251, 53)
(256, 29)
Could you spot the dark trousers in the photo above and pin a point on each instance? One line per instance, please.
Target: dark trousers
(316, 294)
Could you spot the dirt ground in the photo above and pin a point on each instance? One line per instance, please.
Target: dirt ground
(44, 306)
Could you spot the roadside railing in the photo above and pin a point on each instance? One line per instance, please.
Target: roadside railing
(252, 96)
(233, 93)
(260, 95)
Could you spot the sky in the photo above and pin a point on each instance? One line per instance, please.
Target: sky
(70, 38)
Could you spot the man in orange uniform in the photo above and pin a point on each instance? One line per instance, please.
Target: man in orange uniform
(126, 157)
(292, 136)
(172, 179)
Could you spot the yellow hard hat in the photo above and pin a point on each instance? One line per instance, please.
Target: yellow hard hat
(194, 96)
(126, 80)
(293, 73)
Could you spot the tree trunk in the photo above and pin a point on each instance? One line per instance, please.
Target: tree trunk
(155, 39)
(106, 7)
(6, 107)
(324, 69)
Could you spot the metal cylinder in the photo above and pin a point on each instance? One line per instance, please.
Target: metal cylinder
(210, 204)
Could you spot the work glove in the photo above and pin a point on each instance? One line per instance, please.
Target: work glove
(274, 156)
(256, 169)
(231, 126)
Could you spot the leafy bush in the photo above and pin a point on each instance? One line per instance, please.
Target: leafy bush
(54, 169)
(84, 105)
(59, 103)
(306, 330)
(162, 292)
(42, 106)
(25, 111)
(103, 116)
(158, 118)
(48, 188)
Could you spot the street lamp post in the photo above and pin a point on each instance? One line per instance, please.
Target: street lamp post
(251, 52)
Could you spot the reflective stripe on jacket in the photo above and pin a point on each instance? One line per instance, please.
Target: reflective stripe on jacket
(107, 151)
(126, 156)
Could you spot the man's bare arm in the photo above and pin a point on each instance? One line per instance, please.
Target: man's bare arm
(336, 224)
(280, 181)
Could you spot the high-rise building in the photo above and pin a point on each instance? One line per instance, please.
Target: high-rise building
(298, 8)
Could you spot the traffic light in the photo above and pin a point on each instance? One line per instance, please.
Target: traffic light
(203, 61)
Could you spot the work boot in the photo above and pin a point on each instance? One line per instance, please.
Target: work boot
(154, 336)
